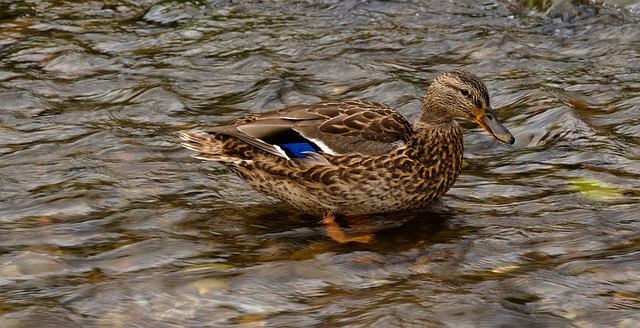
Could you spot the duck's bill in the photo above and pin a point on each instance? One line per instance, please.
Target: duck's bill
(489, 122)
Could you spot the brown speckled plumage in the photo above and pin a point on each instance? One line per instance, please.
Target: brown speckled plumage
(366, 157)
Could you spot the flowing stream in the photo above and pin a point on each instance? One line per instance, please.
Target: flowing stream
(106, 221)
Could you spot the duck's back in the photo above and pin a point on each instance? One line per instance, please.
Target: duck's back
(348, 127)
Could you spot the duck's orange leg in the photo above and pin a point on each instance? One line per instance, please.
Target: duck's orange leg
(334, 231)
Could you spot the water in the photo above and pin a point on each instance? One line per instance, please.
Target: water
(106, 221)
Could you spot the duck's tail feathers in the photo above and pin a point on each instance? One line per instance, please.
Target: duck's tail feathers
(208, 147)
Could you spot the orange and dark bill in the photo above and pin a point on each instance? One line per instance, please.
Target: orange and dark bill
(490, 122)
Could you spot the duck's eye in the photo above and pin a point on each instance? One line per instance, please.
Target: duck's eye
(464, 92)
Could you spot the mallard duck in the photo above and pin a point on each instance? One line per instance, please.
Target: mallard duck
(353, 158)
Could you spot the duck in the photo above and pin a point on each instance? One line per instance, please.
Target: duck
(354, 158)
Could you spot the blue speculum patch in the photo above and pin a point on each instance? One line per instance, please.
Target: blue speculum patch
(296, 149)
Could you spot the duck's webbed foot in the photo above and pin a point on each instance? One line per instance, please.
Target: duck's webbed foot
(335, 232)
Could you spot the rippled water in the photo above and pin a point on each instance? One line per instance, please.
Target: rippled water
(106, 221)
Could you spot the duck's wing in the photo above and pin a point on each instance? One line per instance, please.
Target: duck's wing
(348, 127)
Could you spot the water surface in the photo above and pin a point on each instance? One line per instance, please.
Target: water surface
(106, 221)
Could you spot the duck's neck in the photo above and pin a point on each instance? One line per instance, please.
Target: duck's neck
(439, 149)
(440, 139)
(436, 126)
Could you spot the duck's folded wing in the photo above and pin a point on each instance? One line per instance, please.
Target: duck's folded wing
(357, 127)
(335, 128)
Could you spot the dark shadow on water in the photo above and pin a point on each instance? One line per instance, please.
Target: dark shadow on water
(268, 224)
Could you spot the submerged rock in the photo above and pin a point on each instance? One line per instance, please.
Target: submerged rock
(565, 10)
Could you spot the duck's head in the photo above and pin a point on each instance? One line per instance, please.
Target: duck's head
(459, 93)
